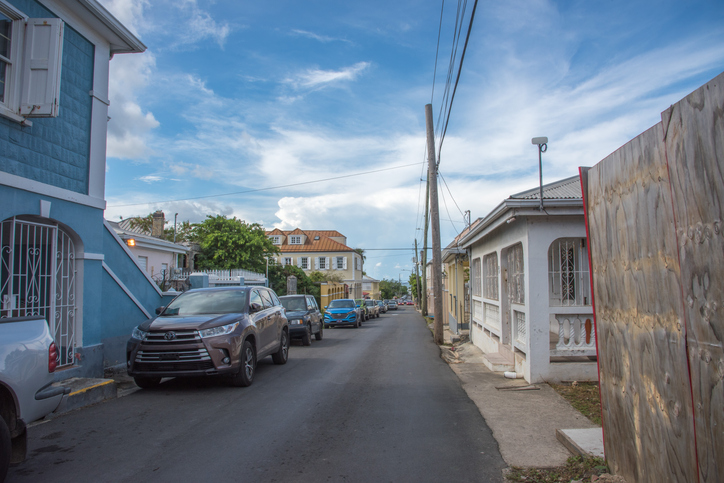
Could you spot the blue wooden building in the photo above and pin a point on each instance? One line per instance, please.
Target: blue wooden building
(60, 258)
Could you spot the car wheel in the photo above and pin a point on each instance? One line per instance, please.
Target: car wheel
(326, 326)
(307, 337)
(281, 356)
(147, 382)
(247, 368)
(5, 448)
(319, 334)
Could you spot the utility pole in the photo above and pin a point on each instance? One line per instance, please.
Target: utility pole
(435, 222)
(417, 275)
(424, 248)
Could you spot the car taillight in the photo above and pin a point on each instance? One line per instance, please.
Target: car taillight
(52, 357)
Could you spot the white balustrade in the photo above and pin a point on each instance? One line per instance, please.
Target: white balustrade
(576, 335)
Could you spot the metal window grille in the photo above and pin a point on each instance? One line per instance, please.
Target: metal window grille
(37, 278)
(490, 276)
(568, 277)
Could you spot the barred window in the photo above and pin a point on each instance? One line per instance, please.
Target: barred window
(477, 286)
(568, 278)
(516, 274)
(490, 276)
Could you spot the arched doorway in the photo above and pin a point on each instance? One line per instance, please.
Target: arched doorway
(37, 277)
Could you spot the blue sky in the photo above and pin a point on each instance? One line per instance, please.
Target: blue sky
(235, 96)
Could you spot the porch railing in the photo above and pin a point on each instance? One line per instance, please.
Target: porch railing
(576, 336)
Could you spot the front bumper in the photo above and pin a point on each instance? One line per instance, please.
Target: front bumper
(330, 320)
(190, 356)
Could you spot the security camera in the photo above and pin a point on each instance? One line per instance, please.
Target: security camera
(539, 141)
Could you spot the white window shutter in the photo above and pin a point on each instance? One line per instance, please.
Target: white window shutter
(299, 262)
(42, 58)
(344, 263)
(326, 263)
(316, 263)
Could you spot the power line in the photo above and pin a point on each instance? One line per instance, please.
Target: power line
(437, 50)
(460, 69)
(268, 188)
(451, 195)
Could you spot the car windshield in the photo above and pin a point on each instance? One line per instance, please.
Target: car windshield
(292, 304)
(341, 304)
(208, 302)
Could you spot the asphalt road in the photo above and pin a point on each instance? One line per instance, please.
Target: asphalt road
(370, 404)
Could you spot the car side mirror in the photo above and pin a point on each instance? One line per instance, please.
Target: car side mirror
(159, 310)
(357, 306)
(254, 307)
(325, 307)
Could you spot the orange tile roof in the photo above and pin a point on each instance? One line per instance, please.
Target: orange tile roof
(275, 231)
(324, 244)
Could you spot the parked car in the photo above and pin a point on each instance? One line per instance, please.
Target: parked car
(365, 310)
(382, 305)
(409, 302)
(392, 304)
(28, 358)
(343, 312)
(304, 317)
(208, 332)
(372, 309)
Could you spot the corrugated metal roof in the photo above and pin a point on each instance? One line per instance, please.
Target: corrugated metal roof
(569, 188)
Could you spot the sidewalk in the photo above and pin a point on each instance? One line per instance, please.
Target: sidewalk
(524, 421)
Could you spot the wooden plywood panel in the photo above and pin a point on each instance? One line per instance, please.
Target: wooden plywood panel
(695, 148)
(645, 388)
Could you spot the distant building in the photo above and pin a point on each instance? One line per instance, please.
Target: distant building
(320, 250)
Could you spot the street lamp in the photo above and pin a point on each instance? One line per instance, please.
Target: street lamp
(542, 143)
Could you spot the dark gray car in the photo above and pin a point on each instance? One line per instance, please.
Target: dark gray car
(207, 332)
(304, 317)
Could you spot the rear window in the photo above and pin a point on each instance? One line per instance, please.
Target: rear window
(294, 304)
(341, 304)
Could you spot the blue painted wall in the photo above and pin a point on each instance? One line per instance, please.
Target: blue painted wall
(55, 151)
(120, 313)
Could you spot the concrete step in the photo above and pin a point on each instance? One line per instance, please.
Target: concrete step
(585, 442)
(499, 362)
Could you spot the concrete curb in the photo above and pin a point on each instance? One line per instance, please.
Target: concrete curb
(84, 392)
(584, 442)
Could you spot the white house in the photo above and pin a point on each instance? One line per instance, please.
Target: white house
(530, 286)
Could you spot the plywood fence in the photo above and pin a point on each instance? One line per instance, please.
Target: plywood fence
(655, 221)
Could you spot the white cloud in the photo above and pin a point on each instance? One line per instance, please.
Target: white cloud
(321, 38)
(314, 78)
(130, 127)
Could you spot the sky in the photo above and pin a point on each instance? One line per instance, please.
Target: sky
(311, 114)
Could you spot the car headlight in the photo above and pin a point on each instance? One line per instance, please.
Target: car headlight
(138, 333)
(296, 321)
(222, 330)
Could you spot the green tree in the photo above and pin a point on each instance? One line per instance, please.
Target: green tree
(319, 277)
(413, 285)
(392, 288)
(305, 285)
(231, 243)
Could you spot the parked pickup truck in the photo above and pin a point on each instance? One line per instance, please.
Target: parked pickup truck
(28, 358)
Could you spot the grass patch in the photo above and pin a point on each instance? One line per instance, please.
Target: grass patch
(583, 396)
(576, 468)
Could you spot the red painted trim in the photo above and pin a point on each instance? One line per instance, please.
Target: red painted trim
(584, 186)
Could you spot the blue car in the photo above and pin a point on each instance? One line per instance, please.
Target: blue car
(342, 312)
